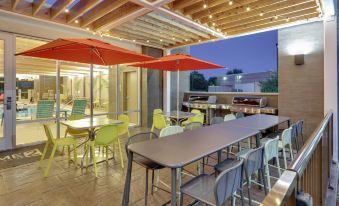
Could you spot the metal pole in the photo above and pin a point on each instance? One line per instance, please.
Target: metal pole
(58, 99)
(178, 93)
(91, 95)
(118, 91)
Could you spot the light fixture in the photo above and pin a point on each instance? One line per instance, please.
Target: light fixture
(66, 10)
(120, 39)
(87, 28)
(173, 38)
(230, 3)
(213, 24)
(147, 41)
(76, 21)
(199, 40)
(210, 16)
(160, 40)
(261, 14)
(133, 40)
(299, 59)
(248, 8)
(204, 6)
(218, 29)
(224, 78)
(186, 39)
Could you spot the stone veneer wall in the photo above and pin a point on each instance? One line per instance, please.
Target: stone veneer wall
(301, 88)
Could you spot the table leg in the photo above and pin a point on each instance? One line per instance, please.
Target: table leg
(125, 198)
(288, 123)
(219, 156)
(173, 187)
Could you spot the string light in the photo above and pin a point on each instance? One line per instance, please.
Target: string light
(261, 14)
(87, 28)
(230, 3)
(66, 10)
(160, 40)
(210, 16)
(133, 40)
(287, 19)
(275, 17)
(147, 41)
(248, 8)
(213, 24)
(77, 21)
(204, 6)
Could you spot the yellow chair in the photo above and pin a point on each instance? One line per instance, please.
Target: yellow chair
(198, 117)
(159, 122)
(123, 128)
(159, 111)
(56, 143)
(105, 136)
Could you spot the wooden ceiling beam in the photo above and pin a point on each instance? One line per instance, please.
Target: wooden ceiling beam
(146, 33)
(190, 10)
(286, 18)
(37, 5)
(180, 4)
(59, 6)
(275, 24)
(137, 38)
(106, 21)
(241, 11)
(179, 25)
(280, 13)
(156, 29)
(80, 8)
(168, 27)
(101, 10)
(241, 4)
(15, 4)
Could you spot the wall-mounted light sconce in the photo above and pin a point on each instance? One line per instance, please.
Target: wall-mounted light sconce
(299, 59)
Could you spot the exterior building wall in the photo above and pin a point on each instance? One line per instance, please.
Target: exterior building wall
(301, 88)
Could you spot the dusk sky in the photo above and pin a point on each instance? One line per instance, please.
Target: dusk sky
(252, 53)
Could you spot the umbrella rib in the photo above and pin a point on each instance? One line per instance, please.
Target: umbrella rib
(96, 51)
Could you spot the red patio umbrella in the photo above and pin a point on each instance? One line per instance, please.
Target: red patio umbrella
(177, 62)
(89, 51)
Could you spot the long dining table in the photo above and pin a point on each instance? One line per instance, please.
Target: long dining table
(179, 150)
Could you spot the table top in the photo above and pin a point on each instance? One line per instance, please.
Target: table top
(182, 149)
(259, 121)
(86, 123)
(178, 115)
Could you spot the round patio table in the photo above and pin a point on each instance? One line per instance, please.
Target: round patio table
(178, 116)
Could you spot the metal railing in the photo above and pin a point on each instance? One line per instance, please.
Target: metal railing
(310, 170)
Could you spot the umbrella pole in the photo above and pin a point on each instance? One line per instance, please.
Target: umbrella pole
(58, 99)
(91, 95)
(178, 94)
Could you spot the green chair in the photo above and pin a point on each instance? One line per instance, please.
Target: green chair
(56, 143)
(79, 106)
(198, 117)
(105, 136)
(45, 109)
(123, 128)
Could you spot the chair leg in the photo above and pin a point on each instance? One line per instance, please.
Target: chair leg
(106, 148)
(284, 156)
(278, 164)
(233, 199)
(94, 160)
(291, 151)
(268, 176)
(242, 197)
(87, 153)
(146, 187)
(120, 153)
(263, 180)
(51, 158)
(75, 156)
(248, 187)
(43, 154)
(69, 153)
(157, 180)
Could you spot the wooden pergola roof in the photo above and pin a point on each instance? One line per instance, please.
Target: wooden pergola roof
(169, 23)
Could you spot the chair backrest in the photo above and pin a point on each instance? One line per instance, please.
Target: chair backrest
(79, 106)
(286, 136)
(159, 121)
(239, 115)
(49, 134)
(217, 120)
(271, 148)
(193, 125)
(123, 128)
(199, 117)
(229, 117)
(170, 131)
(157, 111)
(106, 134)
(45, 109)
(254, 160)
(140, 137)
(227, 183)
